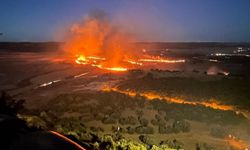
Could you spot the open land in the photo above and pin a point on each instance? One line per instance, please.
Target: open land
(203, 102)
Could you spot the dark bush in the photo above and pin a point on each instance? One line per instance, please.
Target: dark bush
(143, 121)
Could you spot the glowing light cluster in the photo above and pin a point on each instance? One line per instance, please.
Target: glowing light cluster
(224, 54)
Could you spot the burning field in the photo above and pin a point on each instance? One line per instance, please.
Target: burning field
(102, 82)
(125, 75)
(98, 43)
(150, 95)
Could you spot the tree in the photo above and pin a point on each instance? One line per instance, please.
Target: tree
(143, 121)
(181, 126)
(146, 140)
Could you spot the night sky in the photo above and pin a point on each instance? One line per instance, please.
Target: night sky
(147, 20)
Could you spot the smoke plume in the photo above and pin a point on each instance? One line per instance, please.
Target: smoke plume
(96, 36)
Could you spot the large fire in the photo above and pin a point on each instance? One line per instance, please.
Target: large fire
(99, 43)
(96, 61)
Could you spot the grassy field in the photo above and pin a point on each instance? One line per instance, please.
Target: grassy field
(102, 113)
(232, 91)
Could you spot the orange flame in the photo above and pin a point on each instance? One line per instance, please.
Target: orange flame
(99, 62)
(151, 95)
(100, 44)
(161, 60)
(236, 143)
(81, 60)
(116, 69)
(232, 140)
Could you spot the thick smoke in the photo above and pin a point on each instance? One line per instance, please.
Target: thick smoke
(96, 36)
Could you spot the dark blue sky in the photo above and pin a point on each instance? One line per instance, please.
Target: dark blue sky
(149, 20)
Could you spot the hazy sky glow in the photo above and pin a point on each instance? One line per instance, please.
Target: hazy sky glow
(149, 20)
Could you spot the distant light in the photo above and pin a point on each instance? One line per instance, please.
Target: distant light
(213, 60)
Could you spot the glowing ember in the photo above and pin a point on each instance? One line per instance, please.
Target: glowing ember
(96, 58)
(160, 60)
(236, 142)
(110, 68)
(80, 75)
(134, 62)
(81, 60)
(117, 69)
